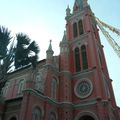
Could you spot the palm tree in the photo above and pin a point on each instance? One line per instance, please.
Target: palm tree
(26, 52)
(6, 54)
(4, 41)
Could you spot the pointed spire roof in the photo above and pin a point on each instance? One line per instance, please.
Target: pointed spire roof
(49, 54)
(64, 37)
(50, 51)
(80, 4)
(50, 46)
(68, 11)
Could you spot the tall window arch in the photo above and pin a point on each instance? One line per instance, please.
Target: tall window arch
(84, 57)
(80, 26)
(5, 89)
(52, 116)
(39, 83)
(77, 59)
(54, 88)
(37, 114)
(21, 86)
(75, 31)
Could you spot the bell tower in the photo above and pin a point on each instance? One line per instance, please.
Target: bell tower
(92, 94)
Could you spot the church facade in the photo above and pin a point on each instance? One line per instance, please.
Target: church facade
(72, 86)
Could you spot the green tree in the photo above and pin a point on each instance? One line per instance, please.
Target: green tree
(6, 54)
(26, 52)
(19, 55)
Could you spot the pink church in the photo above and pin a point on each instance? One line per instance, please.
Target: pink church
(72, 86)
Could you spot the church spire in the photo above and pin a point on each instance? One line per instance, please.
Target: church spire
(64, 37)
(50, 52)
(79, 5)
(50, 46)
(64, 44)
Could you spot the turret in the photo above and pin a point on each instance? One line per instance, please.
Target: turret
(64, 44)
(68, 11)
(64, 53)
(49, 54)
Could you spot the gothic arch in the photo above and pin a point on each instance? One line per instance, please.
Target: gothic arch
(13, 117)
(86, 115)
(77, 59)
(5, 89)
(56, 78)
(39, 107)
(39, 82)
(80, 26)
(37, 113)
(54, 87)
(21, 85)
(84, 57)
(75, 30)
(53, 114)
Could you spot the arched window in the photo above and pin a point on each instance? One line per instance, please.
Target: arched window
(54, 88)
(80, 24)
(21, 86)
(84, 57)
(5, 89)
(39, 83)
(52, 116)
(37, 114)
(77, 60)
(75, 32)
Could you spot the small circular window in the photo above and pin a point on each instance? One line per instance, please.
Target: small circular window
(83, 88)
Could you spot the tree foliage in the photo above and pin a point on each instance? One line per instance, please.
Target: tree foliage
(17, 55)
(26, 51)
(6, 54)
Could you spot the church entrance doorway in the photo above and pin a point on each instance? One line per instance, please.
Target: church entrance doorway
(13, 118)
(86, 117)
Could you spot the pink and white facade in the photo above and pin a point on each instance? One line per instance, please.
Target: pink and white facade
(72, 86)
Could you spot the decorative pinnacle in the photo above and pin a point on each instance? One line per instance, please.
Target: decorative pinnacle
(64, 37)
(50, 45)
(68, 11)
(64, 32)
(68, 7)
(49, 51)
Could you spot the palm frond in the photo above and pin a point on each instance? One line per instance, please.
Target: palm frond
(5, 39)
(22, 39)
(5, 35)
(34, 47)
(25, 51)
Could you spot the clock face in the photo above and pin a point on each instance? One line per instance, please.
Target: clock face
(83, 88)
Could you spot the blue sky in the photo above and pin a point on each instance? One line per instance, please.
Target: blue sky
(43, 20)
